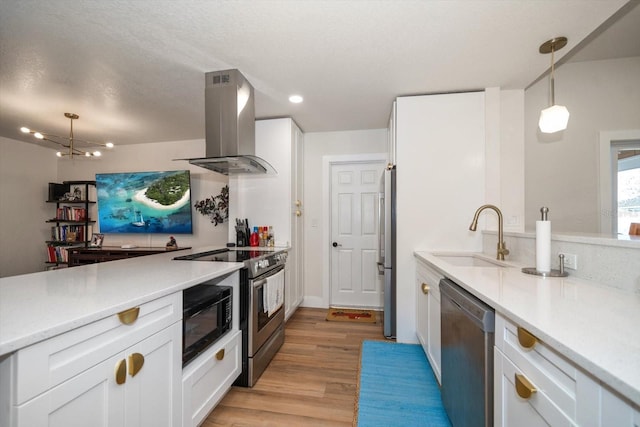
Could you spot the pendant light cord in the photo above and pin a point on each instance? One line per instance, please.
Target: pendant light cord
(552, 80)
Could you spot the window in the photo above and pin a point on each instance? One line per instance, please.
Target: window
(625, 178)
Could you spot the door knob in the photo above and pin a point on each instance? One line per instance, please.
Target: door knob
(121, 372)
(523, 387)
(335, 244)
(526, 338)
(129, 316)
(136, 361)
(425, 288)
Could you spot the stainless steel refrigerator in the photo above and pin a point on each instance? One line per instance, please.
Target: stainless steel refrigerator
(387, 247)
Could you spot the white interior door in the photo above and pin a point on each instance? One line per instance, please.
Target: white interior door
(354, 232)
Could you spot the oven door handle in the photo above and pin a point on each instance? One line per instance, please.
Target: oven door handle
(259, 283)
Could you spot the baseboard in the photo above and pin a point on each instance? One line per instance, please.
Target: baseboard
(313, 302)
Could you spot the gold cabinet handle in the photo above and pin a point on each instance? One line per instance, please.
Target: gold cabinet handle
(121, 372)
(425, 288)
(220, 354)
(526, 338)
(523, 387)
(298, 213)
(136, 361)
(129, 316)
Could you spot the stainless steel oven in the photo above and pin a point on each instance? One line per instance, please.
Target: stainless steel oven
(266, 331)
(262, 331)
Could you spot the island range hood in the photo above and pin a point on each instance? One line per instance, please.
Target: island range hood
(230, 126)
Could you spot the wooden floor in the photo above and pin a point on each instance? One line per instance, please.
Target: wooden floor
(310, 382)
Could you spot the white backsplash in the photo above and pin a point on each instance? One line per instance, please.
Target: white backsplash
(607, 261)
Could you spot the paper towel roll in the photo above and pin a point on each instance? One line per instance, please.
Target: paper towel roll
(543, 246)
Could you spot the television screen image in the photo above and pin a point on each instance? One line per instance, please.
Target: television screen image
(144, 202)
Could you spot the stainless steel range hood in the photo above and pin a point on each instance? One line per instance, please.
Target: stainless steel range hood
(230, 126)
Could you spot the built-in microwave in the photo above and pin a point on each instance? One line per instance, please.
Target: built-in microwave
(206, 316)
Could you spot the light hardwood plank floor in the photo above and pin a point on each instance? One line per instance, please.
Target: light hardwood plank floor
(311, 381)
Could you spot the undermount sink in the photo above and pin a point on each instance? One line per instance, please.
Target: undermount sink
(470, 260)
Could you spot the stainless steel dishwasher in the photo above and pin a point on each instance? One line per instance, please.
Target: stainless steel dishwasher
(467, 329)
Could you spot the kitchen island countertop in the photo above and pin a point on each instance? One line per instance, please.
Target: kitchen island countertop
(37, 306)
(594, 326)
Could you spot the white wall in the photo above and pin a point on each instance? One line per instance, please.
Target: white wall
(561, 169)
(316, 146)
(154, 157)
(504, 157)
(25, 171)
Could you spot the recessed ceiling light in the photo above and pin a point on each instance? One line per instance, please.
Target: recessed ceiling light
(296, 99)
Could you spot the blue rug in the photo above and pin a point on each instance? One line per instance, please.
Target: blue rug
(397, 387)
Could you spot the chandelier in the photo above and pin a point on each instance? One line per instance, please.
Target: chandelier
(68, 142)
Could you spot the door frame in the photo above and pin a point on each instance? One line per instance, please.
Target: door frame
(327, 162)
(605, 166)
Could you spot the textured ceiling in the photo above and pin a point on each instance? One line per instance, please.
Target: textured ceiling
(134, 70)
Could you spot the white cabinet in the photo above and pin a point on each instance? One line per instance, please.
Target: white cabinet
(534, 385)
(296, 255)
(276, 200)
(440, 151)
(428, 314)
(208, 378)
(107, 373)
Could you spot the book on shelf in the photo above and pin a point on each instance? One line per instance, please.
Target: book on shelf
(71, 213)
(57, 254)
(70, 233)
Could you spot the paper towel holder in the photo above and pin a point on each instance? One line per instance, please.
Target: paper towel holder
(553, 273)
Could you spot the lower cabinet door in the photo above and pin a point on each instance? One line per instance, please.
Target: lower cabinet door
(136, 388)
(422, 312)
(434, 343)
(208, 378)
(154, 380)
(90, 398)
(510, 409)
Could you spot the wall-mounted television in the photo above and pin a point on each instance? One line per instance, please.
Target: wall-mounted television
(144, 202)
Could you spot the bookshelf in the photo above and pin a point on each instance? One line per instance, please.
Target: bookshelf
(71, 225)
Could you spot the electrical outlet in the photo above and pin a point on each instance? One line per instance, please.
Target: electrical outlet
(570, 261)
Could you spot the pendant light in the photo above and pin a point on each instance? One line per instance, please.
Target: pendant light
(556, 117)
(68, 143)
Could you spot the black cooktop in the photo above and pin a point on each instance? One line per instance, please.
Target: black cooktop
(222, 255)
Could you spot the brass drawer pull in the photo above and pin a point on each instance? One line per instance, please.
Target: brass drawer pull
(523, 387)
(526, 338)
(220, 354)
(136, 361)
(129, 316)
(425, 288)
(121, 372)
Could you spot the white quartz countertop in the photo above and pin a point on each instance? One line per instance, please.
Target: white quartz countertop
(597, 327)
(37, 306)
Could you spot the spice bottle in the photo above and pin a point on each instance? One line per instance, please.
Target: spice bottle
(271, 239)
(254, 240)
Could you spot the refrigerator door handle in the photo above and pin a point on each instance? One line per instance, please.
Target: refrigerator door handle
(380, 268)
(381, 237)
